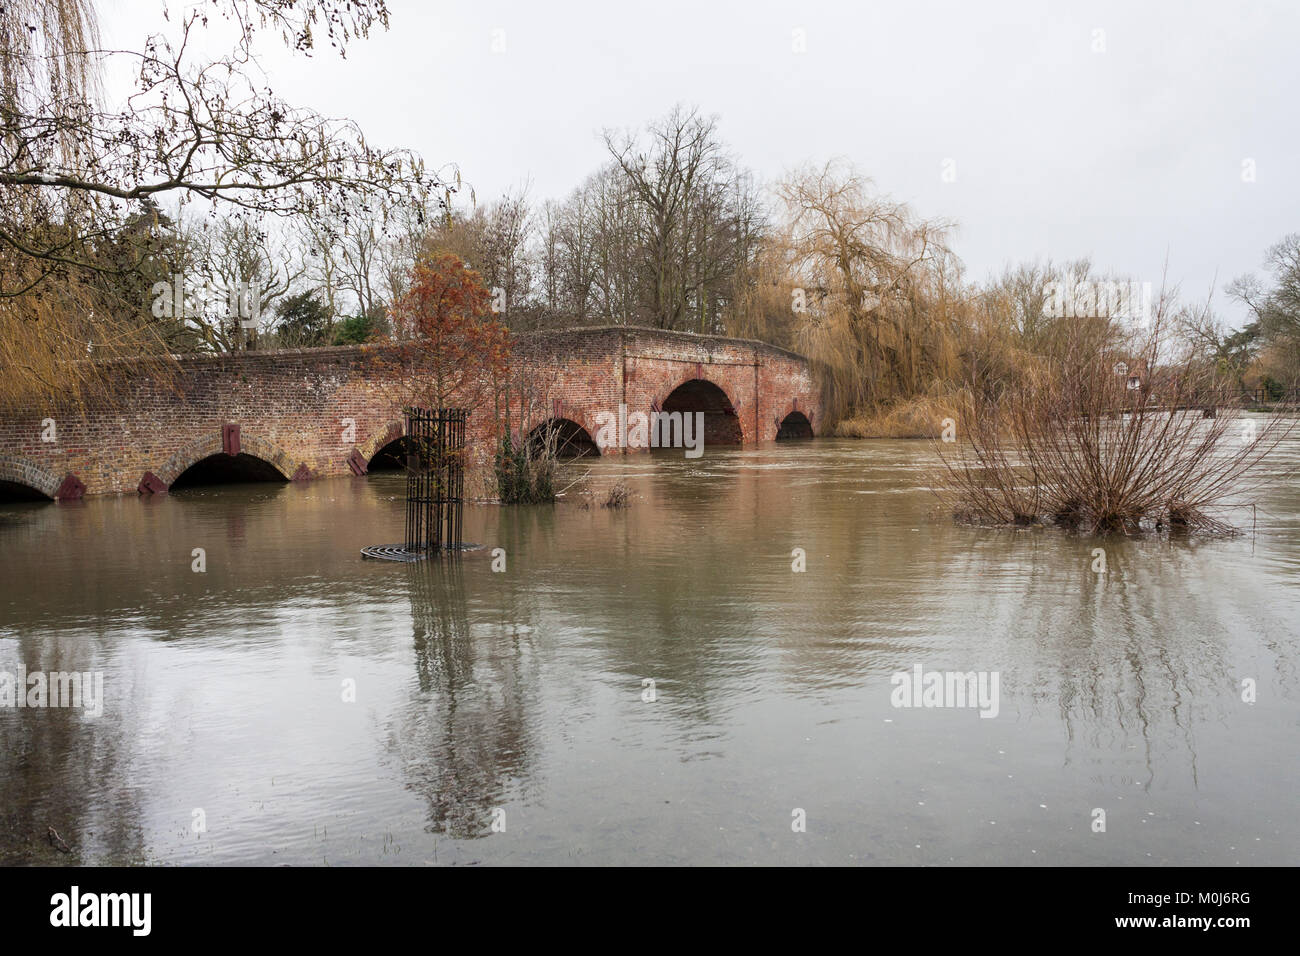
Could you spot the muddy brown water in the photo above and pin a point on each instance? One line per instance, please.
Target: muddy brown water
(521, 698)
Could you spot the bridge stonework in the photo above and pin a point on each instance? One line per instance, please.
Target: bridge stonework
(315, 413)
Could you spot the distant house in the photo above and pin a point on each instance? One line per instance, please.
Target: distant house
(1133, 371)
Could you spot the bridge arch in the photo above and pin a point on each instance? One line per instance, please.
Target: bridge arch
(794, 424)
(722, 424)
(383, 449)
(572, 440)
(23, 480)
(206, 459)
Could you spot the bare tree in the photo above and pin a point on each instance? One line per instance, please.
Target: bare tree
(320, 258)
(245, 270)
(1276, 307)
(504, 256)
(615, 248)
(695, 214)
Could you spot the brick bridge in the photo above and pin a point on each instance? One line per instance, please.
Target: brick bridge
(313, 413)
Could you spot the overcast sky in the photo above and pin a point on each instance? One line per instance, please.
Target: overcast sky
(1112, 130)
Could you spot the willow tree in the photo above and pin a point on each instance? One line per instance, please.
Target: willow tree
(81, 180)
(875, 286)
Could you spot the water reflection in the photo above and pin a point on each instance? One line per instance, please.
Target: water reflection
(466, 740)
(53, 754)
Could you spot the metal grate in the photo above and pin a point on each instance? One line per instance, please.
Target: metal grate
(435, 479)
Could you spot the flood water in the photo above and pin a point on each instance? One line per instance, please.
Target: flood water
(520, 698)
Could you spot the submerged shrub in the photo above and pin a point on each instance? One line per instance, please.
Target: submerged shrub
(618, 497)
(1086, 445)
(525, 471)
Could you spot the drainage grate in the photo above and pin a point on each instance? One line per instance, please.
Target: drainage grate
(392, 552)
(398, 552)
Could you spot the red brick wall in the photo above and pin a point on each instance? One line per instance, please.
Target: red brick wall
(290, 405)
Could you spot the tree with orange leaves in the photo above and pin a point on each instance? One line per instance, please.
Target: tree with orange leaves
(448, 350)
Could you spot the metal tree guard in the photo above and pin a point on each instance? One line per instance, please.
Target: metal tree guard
(435, 485)
(435, 478)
